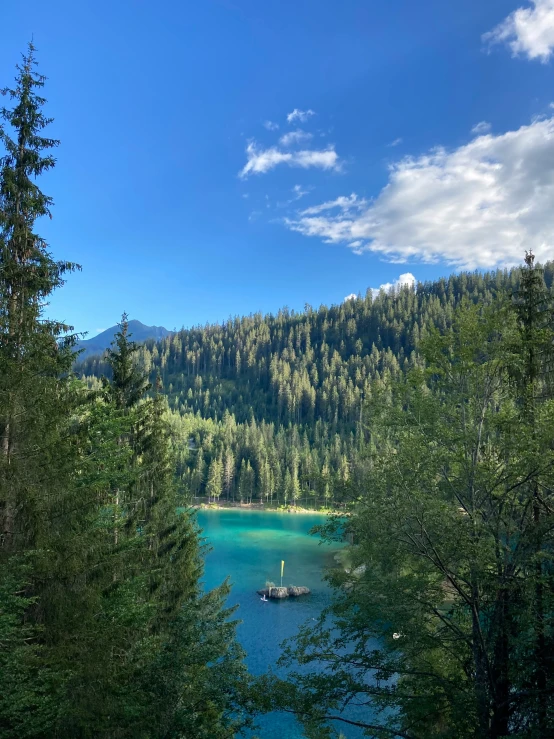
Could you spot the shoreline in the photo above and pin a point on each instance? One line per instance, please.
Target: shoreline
(253, 507)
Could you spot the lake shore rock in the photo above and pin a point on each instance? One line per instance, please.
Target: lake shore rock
(296, 590)
(278, 593)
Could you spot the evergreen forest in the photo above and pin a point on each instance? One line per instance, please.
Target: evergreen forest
(421, 419)
(271, 408)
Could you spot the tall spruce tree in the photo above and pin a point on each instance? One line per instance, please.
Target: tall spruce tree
(30, 347)
(533, 364)
(170, 641)
(104, 628)
(39, 521)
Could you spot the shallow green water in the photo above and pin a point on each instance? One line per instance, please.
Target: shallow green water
(249, 546)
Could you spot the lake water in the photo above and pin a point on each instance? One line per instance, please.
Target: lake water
(249, 546)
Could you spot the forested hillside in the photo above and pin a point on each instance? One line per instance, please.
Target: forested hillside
(428, 414)
(441, 623)
(271, 407)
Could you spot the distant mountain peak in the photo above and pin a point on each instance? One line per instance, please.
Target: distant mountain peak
(138, 331)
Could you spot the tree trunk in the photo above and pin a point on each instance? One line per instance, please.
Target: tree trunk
(540, 643)
(8, 514)
(501, 712)
(481, 681)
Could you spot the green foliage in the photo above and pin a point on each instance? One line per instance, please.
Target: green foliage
(128, 384)
(105, 630)
(161, 642)
(428, 413)
(214, 486)
(38, 448)
(306, 367)
(296, 398)
(438, 617)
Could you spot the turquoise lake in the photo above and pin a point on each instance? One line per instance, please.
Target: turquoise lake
(249, 546)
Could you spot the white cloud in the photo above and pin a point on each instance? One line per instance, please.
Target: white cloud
(405, 280)
(345, 203)
(478, 206)
(357, 246)
(300, 115)
(294, 137)
(481, 128)
(271, 126)
(298, 192)
(528, 31)
(260, 161)
(396, 142)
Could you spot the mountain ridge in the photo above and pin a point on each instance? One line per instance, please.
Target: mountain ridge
(298, 367)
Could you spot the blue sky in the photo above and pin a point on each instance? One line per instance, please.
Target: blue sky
(231, 156)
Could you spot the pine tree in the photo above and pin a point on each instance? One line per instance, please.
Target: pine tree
(214, 486)
(104, 628)
(198, 474)
(294, 482)
(41, 522)
(27, 272)
(534, 355)
(157, 625)
(129, 384)
(228, 473)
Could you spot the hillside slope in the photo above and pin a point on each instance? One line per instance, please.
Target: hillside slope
(277, 401)
(301, 367)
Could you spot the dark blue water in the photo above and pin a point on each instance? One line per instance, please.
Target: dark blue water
(249, 546)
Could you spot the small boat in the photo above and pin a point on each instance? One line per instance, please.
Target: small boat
(264, 599)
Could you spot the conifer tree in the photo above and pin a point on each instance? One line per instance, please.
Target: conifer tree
(169, 626)
(104, 628)
(228, 473)
(215, 474)
(27, 274)
(532, 367)
(40, 522)
(129, 384)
